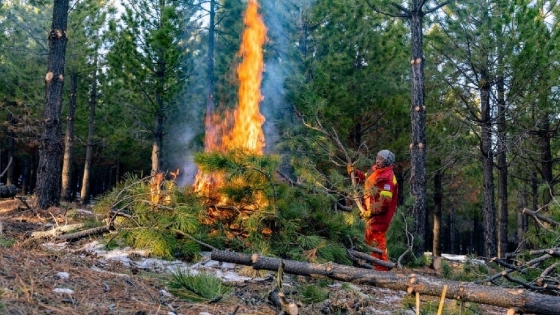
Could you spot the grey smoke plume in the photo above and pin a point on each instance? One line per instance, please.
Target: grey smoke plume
(277, 15)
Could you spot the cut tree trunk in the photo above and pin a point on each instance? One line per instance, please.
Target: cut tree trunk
(517, 300)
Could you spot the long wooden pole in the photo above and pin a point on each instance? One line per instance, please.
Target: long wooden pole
(522, 300)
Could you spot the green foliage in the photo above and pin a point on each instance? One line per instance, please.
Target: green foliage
(313, 294)
(201, 287)
(397, 238)
(111, 244)
(446, 269)
(545, 236)
(468, 270)
(148, 67)
(190, 250)
(155, 225)
(289, 221)
(247, 176)
(6, 242)
(303, 225)
(159, 243)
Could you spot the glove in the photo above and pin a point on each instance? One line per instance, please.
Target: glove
(349, 168)
(366, 214)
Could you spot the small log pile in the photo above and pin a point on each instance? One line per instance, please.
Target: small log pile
(515, 300)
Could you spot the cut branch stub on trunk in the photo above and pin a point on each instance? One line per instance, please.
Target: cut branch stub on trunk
(522, 300)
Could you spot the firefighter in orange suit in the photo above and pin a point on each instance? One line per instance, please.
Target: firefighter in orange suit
(380, 202)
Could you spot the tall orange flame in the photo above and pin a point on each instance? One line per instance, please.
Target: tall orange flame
(247, 121)
(247, 132)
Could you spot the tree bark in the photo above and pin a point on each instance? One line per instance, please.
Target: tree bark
(502, 170)
(436, 243)
(371, 259)
(50, 146)
(543, 141)
(66, 190)
(10, 174)
(210, 60)
(522, 300)
(489, 211)
(85, 192)
(84, 233)
(117, 171)
(159, 118)
(25, 175)
(535, 215)
(521, 221)
(451, 233)
(157, 144)
(418, 122)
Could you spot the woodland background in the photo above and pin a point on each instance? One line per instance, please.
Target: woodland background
(141, 77)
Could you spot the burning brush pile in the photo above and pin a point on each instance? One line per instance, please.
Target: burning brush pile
(237, 201)
(234, 175)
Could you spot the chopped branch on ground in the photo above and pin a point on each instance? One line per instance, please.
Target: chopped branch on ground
(522, 300)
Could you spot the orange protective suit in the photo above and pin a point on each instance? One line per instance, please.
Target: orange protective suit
(380, 201)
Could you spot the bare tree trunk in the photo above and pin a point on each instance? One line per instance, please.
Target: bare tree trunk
(521, 301)
(521, 221)
(66, 191)
(25, 175)
(85, 192)
(117, 171)
(418, 122)
(10, 174)
(452, 239)
(543, 141)
(502, 171)
(160, 120)
(50, 147)
(489, 211)
(436, 244)
(210, 60)
(158, 141)
(475, 238)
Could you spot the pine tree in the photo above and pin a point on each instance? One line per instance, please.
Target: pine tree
(146, 62)
(50, 147)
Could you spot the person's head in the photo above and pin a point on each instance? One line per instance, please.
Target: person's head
(384, 158)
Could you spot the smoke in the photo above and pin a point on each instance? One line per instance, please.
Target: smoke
(280, 18)
(272, 87)
(179, 146)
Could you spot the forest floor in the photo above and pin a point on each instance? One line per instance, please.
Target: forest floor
(42, 277)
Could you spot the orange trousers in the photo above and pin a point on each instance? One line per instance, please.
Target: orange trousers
(377, 239)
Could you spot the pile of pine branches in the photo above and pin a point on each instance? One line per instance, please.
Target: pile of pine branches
(292, 222)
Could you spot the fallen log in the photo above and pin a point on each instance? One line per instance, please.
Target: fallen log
(56, 230)
(85, 233)
(371, 259)
(516, 300)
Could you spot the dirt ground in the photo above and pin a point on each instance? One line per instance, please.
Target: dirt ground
(37, 280)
